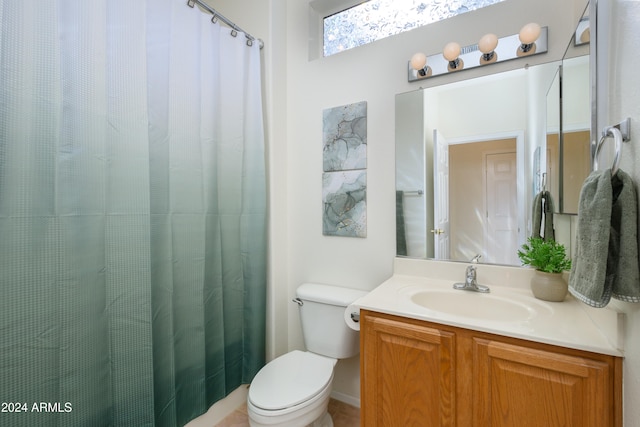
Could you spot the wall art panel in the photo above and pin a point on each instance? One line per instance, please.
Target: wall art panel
(344, 197)
(344, 133)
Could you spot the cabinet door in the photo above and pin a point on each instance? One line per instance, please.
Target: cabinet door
(407, 374)
(522, 386)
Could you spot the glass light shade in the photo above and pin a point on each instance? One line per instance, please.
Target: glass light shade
(529, 33)
(451, 51)
(488, 43)
(418, 61)
(585, 37)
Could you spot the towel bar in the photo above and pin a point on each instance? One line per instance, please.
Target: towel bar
(620, 133)
(617, 136)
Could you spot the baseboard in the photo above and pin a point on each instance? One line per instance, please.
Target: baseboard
(345, 398)
(222, 408)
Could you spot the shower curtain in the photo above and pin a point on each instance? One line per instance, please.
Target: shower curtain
(132, 213)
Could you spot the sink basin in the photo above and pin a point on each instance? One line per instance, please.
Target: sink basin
(514, 308)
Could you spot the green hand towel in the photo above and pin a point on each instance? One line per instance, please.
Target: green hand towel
(542, 205)
(606, 262)
(590, 281)
(536, 216)
(549, 232)
(401, 238)
(624, 238)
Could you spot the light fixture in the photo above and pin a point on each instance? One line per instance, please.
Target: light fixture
(528, 36)
(419, 63)
(487, 46)
(451, 53)
(490, 49)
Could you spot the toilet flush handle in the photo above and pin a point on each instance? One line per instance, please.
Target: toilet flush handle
(298, 301)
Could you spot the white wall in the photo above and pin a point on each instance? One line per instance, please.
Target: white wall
(299, 89)
(622, 101)
(373, 73)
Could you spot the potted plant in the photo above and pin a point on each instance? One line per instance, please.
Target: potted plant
(550, 260)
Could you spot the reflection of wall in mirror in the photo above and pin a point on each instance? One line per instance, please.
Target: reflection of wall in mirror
(577, 152)
(553, 167)
(576, 101)
(413, 174)
(576, 124)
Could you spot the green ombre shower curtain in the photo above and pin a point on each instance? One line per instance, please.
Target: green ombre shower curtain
(132, 213)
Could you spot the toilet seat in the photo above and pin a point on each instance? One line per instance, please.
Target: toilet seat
(298, 376)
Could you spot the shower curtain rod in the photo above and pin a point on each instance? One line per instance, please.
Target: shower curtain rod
(217, 15)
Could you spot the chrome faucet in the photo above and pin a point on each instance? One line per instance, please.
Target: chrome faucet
(470, 282)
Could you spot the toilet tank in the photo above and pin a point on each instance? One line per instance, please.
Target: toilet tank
(323, 324)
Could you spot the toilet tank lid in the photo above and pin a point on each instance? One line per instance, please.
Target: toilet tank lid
(328, 294)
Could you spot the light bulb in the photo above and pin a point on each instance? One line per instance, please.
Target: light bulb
(488, 43)
(529, 33)
(451, 51)
(418, 61)
(585, 37)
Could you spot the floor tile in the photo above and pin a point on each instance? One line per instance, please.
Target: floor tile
(343, 415)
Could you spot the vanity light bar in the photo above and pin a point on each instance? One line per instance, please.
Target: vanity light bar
(508, 48)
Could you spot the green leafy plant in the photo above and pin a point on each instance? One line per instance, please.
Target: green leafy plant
(548, 256)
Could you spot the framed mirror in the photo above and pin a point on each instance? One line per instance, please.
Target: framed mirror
(470, 157)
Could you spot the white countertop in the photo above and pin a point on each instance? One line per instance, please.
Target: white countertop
(569, 323)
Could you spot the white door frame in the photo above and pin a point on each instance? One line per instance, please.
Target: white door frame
(518, 135)
(441, 211)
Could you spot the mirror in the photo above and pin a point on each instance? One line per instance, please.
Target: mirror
(569, 123)
(470, 157)
(464, 165)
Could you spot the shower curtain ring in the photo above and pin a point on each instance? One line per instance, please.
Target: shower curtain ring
(191, 3)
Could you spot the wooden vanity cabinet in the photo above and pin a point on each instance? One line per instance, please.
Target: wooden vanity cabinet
(417, 373)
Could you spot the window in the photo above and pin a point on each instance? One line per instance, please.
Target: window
(377, 19)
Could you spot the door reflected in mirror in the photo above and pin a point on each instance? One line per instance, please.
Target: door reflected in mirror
(484, 218)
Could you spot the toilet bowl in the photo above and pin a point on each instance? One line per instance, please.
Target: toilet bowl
(302, 393)
(293, 390)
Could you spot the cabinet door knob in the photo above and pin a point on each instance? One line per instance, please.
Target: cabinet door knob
(437, 231)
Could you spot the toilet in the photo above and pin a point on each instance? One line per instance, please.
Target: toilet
(293, 390)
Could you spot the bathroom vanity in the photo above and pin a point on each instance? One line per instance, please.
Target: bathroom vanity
(502, 359)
